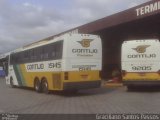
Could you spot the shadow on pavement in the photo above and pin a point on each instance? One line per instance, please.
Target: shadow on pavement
(145, 89)
(87, 92)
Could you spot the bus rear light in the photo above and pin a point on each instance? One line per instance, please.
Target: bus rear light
(123, 73)
(100, 74)
(66, 75)
(142, 74)
(84, 76)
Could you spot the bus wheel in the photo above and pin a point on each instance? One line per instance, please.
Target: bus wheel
(45, 87)
(11, 83)
(37, 86)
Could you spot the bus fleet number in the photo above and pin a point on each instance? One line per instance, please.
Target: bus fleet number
(54, 65)
(141, 68)
(84, 68)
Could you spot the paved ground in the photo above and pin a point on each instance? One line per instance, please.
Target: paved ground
(101, 100)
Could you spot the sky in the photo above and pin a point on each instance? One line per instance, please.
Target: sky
(25, 21)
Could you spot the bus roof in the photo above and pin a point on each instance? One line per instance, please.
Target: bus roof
(46, 41)
(141, 40)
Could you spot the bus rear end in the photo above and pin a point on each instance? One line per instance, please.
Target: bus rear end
(141, 63)
(82, 62)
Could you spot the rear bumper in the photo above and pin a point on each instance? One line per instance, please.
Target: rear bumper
(142, 83)
(81, 85)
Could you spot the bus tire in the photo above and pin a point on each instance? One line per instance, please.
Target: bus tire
(38, 86)
(45, 86)
(11, 83)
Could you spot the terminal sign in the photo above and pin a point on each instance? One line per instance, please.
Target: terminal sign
(148, 8)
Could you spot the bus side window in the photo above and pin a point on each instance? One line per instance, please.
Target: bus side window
(43, 53)
(53, 54)
(26, 56)
(59, 49)
(13, 59)
(6, 68)
(52, 51)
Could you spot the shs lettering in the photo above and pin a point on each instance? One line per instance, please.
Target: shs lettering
(54, 65)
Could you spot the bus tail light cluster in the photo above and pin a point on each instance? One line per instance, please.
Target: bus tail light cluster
(100, 74)
(66, 75)
(84, 76)
(123, 73)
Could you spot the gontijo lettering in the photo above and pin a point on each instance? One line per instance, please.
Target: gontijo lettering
(142, 56)
(84, 51)
(35, 66)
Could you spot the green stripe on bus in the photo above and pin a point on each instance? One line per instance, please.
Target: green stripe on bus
(19, 75)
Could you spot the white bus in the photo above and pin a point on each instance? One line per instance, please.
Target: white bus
(140, 62)
(67, 62)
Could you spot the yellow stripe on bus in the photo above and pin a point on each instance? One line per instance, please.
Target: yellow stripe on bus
(73, 76)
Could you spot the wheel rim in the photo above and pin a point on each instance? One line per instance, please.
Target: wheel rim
(45, 87)
(37, 86)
